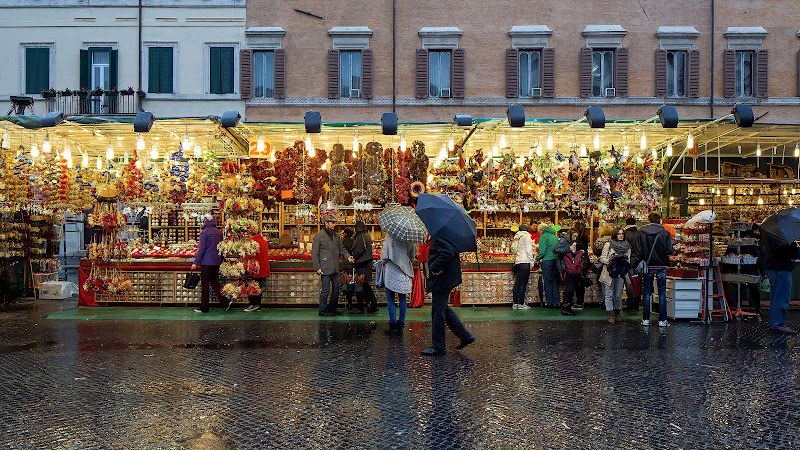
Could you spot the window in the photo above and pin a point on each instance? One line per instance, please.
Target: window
(221, 73)
(160, 72)
(676, 74)
(602, 72)
(439, 73)
(100, 69)
(744, 73)
(349, 74)
(37, 69)
(263, 74)
(529, 72)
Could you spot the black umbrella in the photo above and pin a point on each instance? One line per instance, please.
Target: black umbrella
(781, 228)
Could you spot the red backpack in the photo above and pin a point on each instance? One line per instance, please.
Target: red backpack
(573, 264)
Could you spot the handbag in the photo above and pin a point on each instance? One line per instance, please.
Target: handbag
(349, 283)
(380, 268)
(192, 280)
(642, 268)
(585, 281)
(764, 285)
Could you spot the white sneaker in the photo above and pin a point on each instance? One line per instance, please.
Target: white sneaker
(197, 310)
(252, 308)
(514, 306)
(523, 306)
(645, 323)
(662, 323)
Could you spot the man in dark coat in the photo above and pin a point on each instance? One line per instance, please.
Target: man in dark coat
(632, 235)
(778, 263)
(362, 253)
(325, 251)
(445, 274)
(656, 244)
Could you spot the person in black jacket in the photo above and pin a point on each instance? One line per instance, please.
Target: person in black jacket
(347, 266)
(445, 274)
(632, 237)
(581, 243)
(777, 261)
(362, 254)
(656, 246)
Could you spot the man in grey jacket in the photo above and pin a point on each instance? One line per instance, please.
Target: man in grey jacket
(325, 251)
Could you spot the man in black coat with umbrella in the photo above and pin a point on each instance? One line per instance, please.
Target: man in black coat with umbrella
(778, 250)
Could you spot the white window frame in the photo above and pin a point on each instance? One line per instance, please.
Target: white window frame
(22, 68)
(613, 70)
(207, 69)
(146, 68)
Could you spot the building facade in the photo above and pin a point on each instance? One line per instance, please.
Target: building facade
(427, 60)
(183, 55)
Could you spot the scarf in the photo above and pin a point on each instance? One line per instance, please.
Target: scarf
(620, 247)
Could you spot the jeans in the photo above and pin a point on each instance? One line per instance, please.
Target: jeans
(549, 273)
(522, 272)
(570, 283)
(613, 293)
(647, 290)
(209, 277)
(780, 282)
(330, 285)
(390, 305)
(442, 314)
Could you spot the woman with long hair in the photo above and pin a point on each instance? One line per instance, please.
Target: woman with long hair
(616, 252)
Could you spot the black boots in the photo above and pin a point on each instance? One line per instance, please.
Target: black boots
(395, 329)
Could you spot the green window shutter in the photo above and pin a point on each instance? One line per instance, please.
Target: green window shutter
(113, 68)
(84, 79)
(227, 70)
(153, 70)
(215, 72)
(37, 69)
(165, 73)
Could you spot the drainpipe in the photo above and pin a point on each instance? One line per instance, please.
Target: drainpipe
(394, 56)
(713, 51)
(139, 99)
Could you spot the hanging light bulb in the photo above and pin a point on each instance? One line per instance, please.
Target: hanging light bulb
(85, 160)
(760, 201)
(46, 144)
(626, 152)
(643, 142)
(797, 150)
(34, 150)
(690, 141)
(6, 141)
(451, 143)
(272, 156)
(355, 145)
(495, 151)
(549, 141)
(596, 140)
(125, 157)
(503, 140)
(739, 148)
(758, 149)
(110, 152)
(260, 144)
(791, 202)
(154, 152)
(403, 143)
(521, 161)
(99, 162)
(324, 165)
(669, 149)
(197, 150)
(139, 164)
(638, 160)
(730, 200)
(69, 163)
(67, 151)
(140, 142)
(430, 177)
(784, 191)
(730, 191)
(702, 201)
(312, 152)
(793, 190)
(583, 149)
(538, 150)
(655, 154)
(185, 142)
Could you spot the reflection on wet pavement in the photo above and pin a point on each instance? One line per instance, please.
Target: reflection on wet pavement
(88, 384)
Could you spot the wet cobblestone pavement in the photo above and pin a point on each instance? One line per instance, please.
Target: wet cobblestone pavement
(125, 384)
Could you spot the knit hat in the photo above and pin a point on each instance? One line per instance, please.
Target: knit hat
(330, 218)
(523, 227)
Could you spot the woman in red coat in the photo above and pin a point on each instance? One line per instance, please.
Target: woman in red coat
(262, 257)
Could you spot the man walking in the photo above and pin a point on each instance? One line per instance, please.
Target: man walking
(325, 251)
(632, 237)
(656, 246)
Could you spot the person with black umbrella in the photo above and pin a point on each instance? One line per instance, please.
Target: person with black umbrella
(777, 261)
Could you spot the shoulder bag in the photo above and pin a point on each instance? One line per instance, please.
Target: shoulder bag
(642, 267)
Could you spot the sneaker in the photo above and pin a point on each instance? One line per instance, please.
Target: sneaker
(579, 307)
(198, 310)
(645, 323)
(782, 330)
(514, 306)
(523, 306)
(662, 323)
(252, 308)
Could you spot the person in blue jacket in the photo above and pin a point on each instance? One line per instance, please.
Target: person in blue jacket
(209, 259)
(444, 265)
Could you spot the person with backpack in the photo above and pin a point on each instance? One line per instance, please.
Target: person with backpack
(616, 264)
(570, 269)
(522, 247)
(581, 242)
(604, 236)
(632, 286)
(656, 247)
(549, 262)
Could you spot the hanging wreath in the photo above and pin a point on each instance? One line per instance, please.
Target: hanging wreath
(374, 149)
(339, 173)
(417, 149)
(417, 188)
(337, 154)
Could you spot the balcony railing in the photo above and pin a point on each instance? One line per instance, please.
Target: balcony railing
(82, 103)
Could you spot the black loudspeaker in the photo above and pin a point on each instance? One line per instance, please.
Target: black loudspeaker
(463, 120)
(52, 119)
(743, 115)
(313, 122)
(389, 123)
(668, 116)
(595, 116)
(230, 119)
(143, 122)
(516, 116)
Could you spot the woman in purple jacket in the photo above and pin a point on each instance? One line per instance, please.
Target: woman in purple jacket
(208, 259)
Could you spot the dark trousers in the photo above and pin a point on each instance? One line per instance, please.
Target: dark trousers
(580, 293)
(442, 314)
(569, 290)
(209, 277)
(256, 299)
(330, 285)
(550, 281)
(522, 272)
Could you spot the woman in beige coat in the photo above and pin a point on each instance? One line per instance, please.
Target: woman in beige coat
(617, 246)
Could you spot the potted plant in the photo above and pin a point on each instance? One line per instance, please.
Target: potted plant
(83, 100)
(97, 92)
(66, 93)
(49, 93)
(141, 93)
(128, 91)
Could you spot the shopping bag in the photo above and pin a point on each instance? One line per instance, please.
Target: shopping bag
(764, 286)
(636, 281)
(192, 280)
(380, 268)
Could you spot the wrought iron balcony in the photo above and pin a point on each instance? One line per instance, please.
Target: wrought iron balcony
(88, 103)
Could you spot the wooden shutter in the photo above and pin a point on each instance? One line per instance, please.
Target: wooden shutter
(458, 73)
(153, 69)
(215, 70)
(621, 72)
(661, 73)
(548, 72)
(333, 73)
(113, 69)
(729, 73)
(366, 73)
(245, 74)
(586, 72)
(762, 74)
(422, 73)
(37, 69)
(84, 62)
(512, 73)
(693, 90)
(227, 70)
(166, 67)
(280, 74)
